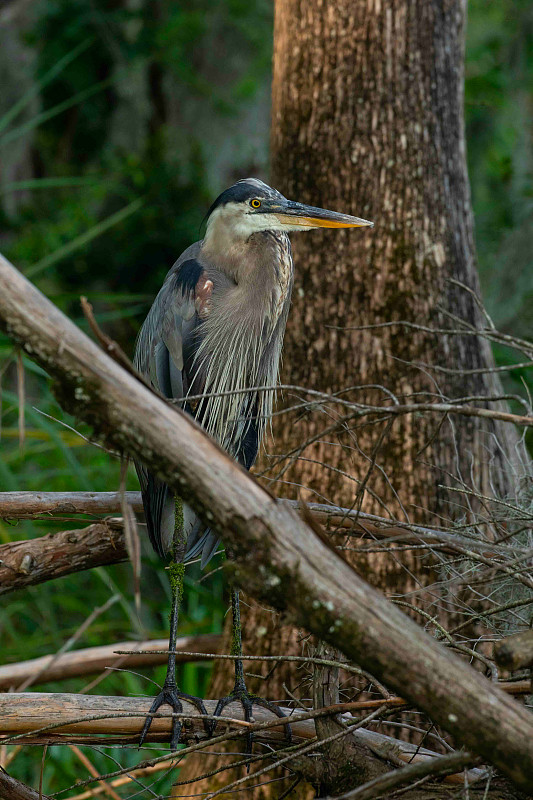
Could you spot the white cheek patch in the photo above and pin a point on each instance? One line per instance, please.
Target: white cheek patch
(241, 222)
(271, 222)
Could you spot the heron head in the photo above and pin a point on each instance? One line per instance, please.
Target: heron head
(250, 206)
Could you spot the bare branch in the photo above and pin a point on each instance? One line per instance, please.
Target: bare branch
(25, 505)
(96, 659)
(29, 562)
(515, 652)
(120, 719)
(22, 505)
(41, 718)
(11, 789)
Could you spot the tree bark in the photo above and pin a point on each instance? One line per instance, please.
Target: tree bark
(26, 505)
(11, 789)
(516, 652)
(367, 118)
(30, 562)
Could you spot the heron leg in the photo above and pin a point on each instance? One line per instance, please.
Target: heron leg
(240, 693)
(170, 694)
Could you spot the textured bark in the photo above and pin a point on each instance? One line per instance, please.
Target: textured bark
(367, 118)
(23, 505)
(516, 652)
(11, 789)
(33, 561)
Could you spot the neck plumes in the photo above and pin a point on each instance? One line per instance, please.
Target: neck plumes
(241, 342)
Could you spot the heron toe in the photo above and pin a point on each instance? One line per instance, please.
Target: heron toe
(241, 695)
(171, 696)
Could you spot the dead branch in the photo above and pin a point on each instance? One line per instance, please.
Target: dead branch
(60, 719)
(29, 562)
(22, 505)
(11, 789)
(82, 719)
(132, 655)
(278, 558)
(515, 652)
(29, 505)
(97, 659)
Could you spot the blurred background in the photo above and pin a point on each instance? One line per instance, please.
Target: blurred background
(119, 123)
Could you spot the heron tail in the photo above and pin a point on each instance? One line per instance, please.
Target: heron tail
(200, 539)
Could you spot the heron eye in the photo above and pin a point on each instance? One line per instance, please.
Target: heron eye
(255, 203)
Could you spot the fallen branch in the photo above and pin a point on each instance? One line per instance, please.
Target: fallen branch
(22, 505)
(29, 562)
(29, 505)
(97, 659)
(515, 652)
(152, 653)
(84, 719)
(278, 558)
(11, 789)
(118, 715)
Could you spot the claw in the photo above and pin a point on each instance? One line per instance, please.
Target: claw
(247, 701)
(171, 696)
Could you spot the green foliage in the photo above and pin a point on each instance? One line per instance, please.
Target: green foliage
(106, 216)
(499, 117)
(499, 120)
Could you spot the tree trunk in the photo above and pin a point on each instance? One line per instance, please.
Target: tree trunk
(368, 119)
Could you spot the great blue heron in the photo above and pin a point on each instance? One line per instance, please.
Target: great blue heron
(216, 329)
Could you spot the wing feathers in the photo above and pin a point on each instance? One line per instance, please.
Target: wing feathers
(166, 342)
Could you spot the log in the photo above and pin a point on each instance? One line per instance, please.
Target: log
(11, 789)
(96, 659)
(278, 558)
(25, 712)
(91, 719)
(515, 652)
(29, 562)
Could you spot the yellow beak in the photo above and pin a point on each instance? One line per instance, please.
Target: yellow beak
(297, 214)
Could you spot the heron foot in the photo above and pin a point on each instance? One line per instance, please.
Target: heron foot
(171, 696)
(240, 694)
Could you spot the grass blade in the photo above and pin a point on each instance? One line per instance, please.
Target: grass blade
(84, 238)
(40, 83)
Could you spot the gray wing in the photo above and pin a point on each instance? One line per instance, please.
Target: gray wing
(164, 353)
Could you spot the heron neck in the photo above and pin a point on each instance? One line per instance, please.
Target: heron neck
(243, 333)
